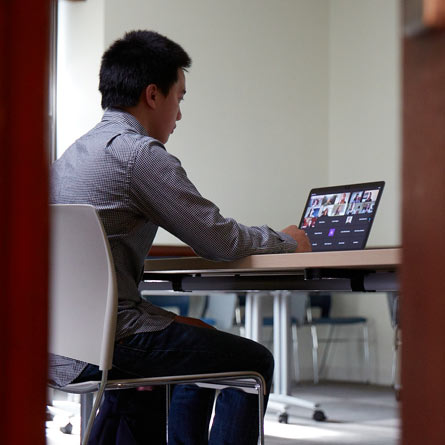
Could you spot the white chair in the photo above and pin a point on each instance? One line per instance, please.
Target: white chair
(83, 302)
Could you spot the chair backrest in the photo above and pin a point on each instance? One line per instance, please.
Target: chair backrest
(220, 310)
(298, 306)
(177, 303)
(83, 290)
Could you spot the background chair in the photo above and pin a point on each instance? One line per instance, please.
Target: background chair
(83, 287)
(216, 309)
(302, 307)
(219, 310)
(175, 302)
(323, 302)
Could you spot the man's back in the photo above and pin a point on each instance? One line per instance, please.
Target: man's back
(97, 170)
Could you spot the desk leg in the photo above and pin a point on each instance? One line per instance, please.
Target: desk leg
(254, 321)
(277, 344)
(284, 341)
(257, 318)
(281, 332)
(248, 315)
(281, 399)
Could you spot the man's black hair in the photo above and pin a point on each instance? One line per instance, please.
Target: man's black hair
(137, 60)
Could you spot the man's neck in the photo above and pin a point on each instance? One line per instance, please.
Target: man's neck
(140, 114)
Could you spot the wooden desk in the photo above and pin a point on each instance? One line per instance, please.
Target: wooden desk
(347, 271)
(364, 270)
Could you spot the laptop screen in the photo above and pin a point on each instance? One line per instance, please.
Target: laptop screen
(340, 217)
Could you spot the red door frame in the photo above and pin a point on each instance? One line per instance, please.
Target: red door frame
(24, 27)
(422, 296)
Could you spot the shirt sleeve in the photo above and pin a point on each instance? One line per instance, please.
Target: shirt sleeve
(161, 190)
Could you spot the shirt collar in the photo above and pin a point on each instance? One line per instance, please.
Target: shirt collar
(118, 116)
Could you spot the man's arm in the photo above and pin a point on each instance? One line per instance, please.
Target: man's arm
(162, 191)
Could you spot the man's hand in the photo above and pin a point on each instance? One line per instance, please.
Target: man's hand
(193, 321)
(300, 237)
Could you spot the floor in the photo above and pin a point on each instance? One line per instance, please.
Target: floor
(356, 414)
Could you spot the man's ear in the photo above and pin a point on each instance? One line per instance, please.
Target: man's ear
(151, 94)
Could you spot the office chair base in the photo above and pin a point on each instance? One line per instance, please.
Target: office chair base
(319, 416)
(283, 417)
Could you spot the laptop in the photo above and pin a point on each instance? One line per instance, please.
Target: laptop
(340, 217)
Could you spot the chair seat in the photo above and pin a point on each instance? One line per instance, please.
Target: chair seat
(339, 320)
(268, 321)
(80, 388)
(244, 380)
(301, 316)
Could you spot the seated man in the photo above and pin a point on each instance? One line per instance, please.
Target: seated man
(122, 168)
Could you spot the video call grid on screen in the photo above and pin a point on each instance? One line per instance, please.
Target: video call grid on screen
(340, 217)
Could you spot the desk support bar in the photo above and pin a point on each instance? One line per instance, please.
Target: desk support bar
(314, 279)
(242, 283)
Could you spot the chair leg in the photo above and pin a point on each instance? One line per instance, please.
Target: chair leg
(326, 350)
(296, 359)
(314, 352)
(95, 407)
(366, 352)
(260, 389)
(167, 409)
(86, 406)
(395, 359)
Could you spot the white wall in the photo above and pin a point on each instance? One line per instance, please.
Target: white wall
(364, 145)
(255, 115)
(364, 104)
(282, 96)
(80, 46)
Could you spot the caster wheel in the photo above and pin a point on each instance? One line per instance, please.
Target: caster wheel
(283, 418)
(319, 416)
(67, 429)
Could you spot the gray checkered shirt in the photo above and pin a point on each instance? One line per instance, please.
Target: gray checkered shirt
(137, 186)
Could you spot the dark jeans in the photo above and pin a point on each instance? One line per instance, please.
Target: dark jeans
(130, 417)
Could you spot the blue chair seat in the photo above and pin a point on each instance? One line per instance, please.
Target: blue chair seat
(268, 321)
(177, 302)
(339, 320)
(210, 321)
